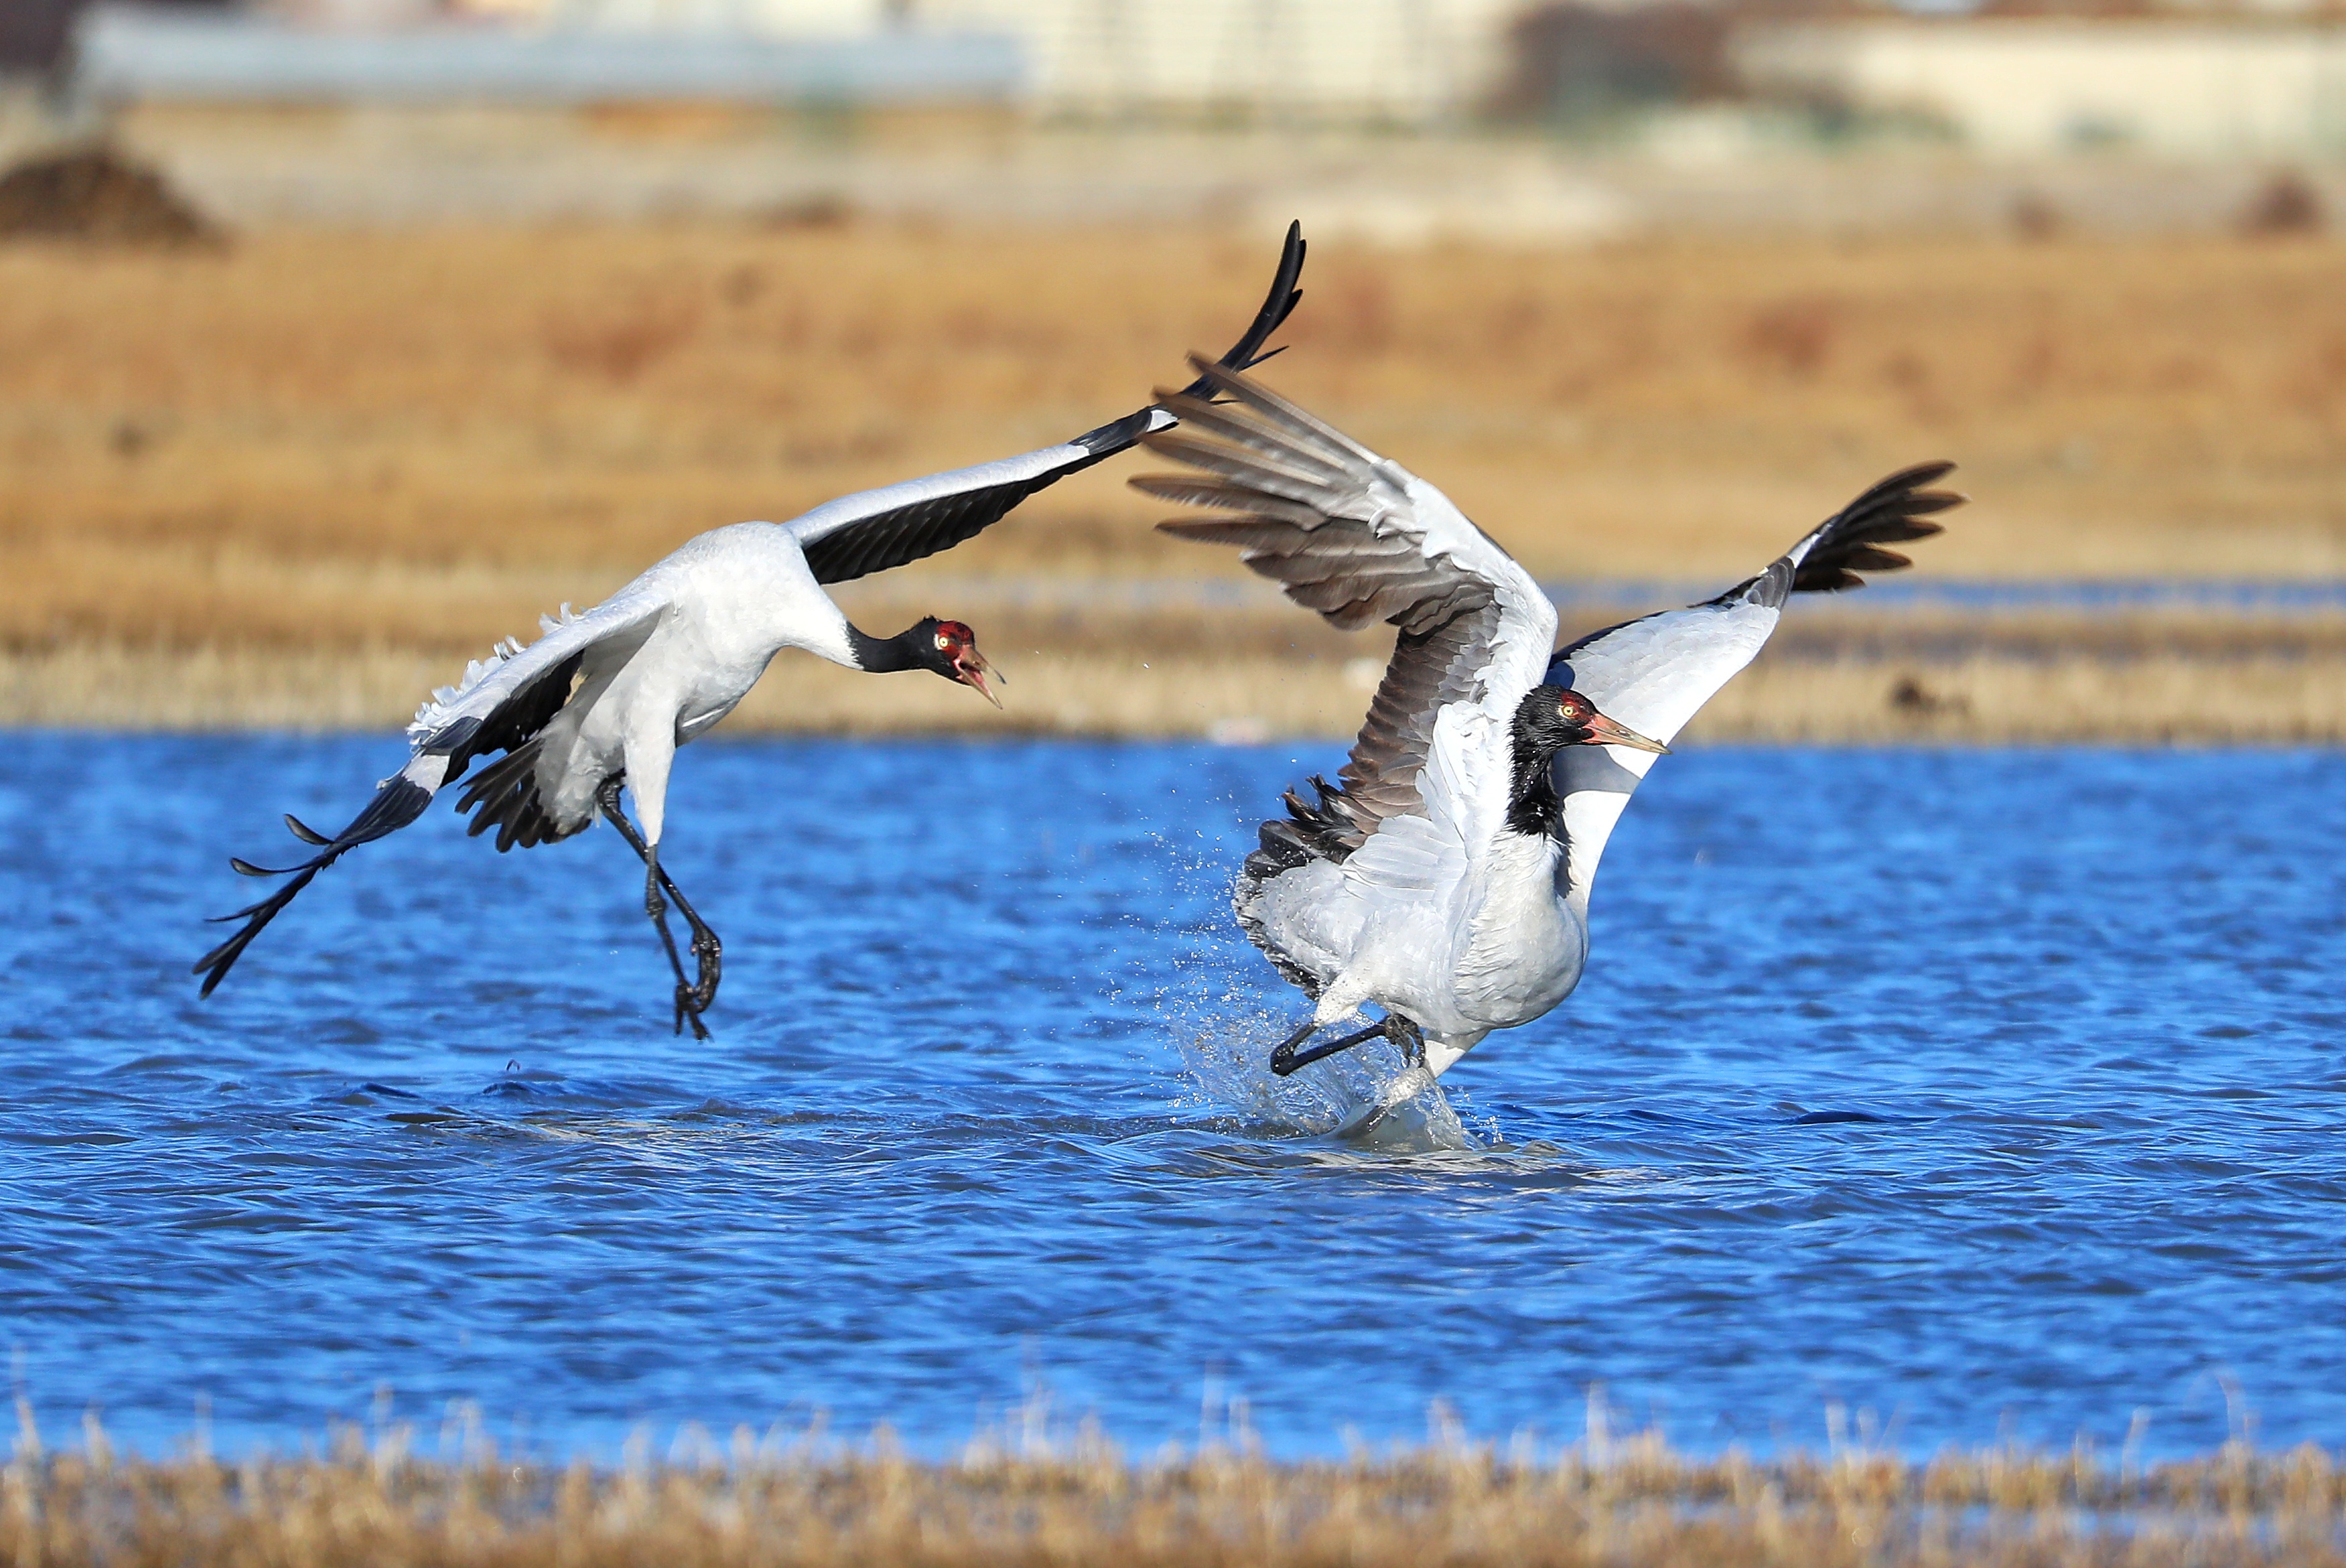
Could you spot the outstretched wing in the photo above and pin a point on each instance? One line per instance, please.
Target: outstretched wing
(874, 530)
(500, 706)
(507, 698)
(1359, 538)
(1654, 674)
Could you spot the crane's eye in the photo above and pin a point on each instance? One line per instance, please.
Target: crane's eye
(943, 642)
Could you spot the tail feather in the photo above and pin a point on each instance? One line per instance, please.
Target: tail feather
(214, 965)
(1322, 829)
(506, 796)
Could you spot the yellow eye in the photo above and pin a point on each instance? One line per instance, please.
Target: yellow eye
(943, 642)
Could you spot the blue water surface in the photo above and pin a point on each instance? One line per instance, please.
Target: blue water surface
(1995, 1094)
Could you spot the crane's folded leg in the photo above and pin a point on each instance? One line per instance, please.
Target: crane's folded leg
(1285, 1058)
(697, 996)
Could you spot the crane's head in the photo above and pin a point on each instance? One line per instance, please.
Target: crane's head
(1548, 719)
(1551, 717)
(1590, 728)
(950, 648)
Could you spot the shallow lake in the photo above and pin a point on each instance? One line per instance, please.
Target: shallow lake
(1951, 1095)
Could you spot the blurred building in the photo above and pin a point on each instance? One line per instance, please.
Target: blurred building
(2177, 86)
(2189, 80)
(515, 51)
(1395, 61)
(1406, 61)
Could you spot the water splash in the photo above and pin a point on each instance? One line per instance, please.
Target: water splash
(1223, 1011)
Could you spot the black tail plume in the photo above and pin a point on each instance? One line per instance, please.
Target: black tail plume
(505, 796)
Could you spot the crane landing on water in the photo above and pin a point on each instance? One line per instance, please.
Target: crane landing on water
(1447, 878)
(604, 699)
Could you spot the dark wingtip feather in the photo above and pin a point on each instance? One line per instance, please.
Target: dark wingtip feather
(1277, 306)
(1891, 510)
(1906, 531)
(304, 831)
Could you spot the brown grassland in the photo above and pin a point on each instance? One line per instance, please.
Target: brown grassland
(763, 1505)
(301, 479)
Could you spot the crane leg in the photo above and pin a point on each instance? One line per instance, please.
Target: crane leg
(1285, 1058)
(694, 997)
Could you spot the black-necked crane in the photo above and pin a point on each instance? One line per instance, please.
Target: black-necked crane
(604, 699)
(1445, 877)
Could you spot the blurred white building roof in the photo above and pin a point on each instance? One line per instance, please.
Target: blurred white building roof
(1403, 61)
(2028, 86)
(130, 52)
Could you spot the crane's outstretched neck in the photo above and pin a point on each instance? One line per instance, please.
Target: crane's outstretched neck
(942, 648)
(914, 647)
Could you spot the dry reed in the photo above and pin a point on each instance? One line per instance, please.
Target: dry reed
(1982, 698)
(322, 460)
(762, 1503)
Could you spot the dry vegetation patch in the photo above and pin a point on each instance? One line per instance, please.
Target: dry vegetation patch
(412, 443)
(763, 1505)
(94, 194)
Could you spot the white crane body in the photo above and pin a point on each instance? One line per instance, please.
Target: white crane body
(660, 662)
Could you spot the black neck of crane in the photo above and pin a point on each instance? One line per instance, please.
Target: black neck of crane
(914, 647)
(1532, 804)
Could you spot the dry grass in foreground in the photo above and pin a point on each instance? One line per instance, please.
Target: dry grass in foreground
(1464, 1506)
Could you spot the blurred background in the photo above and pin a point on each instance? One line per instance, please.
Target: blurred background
(340, 338)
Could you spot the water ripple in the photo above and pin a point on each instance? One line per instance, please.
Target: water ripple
(1995, 1091)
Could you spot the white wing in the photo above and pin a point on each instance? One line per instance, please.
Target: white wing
(1655, 674)
(507, 698)
(874, 530)
(501, 703)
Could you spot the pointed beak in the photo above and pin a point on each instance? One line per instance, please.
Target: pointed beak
(1603, 731)
(973, 671)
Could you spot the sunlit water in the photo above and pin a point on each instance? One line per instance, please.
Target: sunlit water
(1991, 1092)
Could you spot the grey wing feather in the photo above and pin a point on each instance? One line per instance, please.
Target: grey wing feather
(1339, 529)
